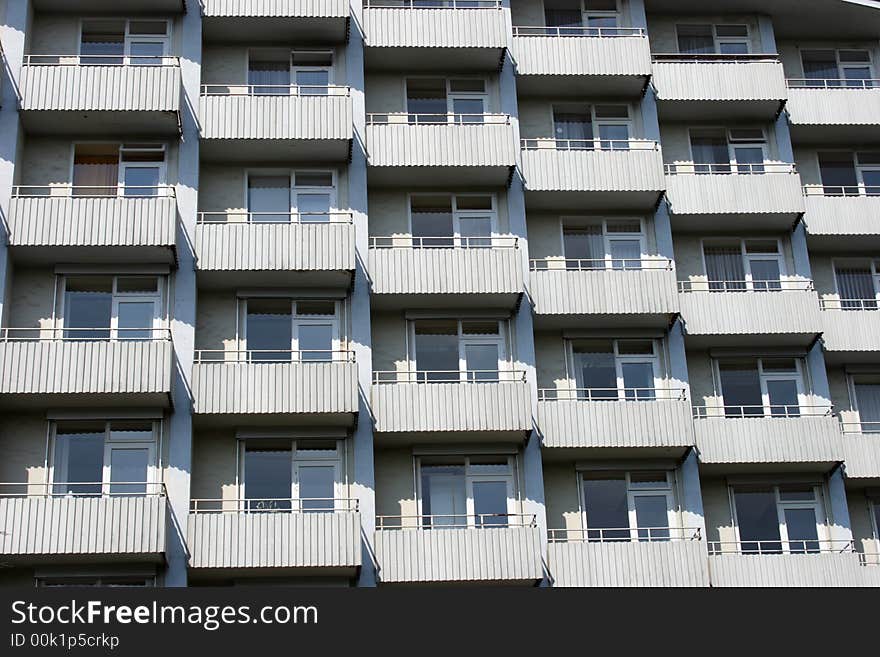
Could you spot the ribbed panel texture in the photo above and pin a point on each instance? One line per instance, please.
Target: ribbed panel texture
(766, 570)
(862, 455)
(68, 526)
(719, 81)
(550, 170)
(670, 563)
(747, 313)
(536, 55)
(275, 247)
(275, 388)
(603, 292)
(851, 330)
(440, 145)
(769, 440)
(452, 407)
(56, 221)
(435, 28)
(834, 106)
(843, 215)
(101, 88)
(616, 424)
(736, 194)
(276, 117)
(274, 540)
(276, 8)
(118, 6)
(85, 367)
(446, 271)
(456, 555)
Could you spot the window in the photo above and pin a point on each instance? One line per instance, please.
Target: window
(606, 244)
(627, 506)
(104, 458)
(130, 170)
(281, 329)
(605, 127)
(764, 387)
(283, 474)
(440, 100)
(307, 196)
(778, 519)
(858, 284)
(874, 505)
(713, 39)
(866, 392)
(109, 581)
(112, 307)
(838, 68)
(581, 13)
(452, 220)
(312, 71)
(466, 491)
(740, 265)
(615, 369)
(450, 350)
(716, 150)
(279, 72)
(850, 174)
(110, 42)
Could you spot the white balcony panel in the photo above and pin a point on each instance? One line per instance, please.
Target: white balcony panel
(832, 219)
(826, 114)
(404, 145)
(851, 331)
(275, 247)
(274, 540)
(435, 28)
(662, 423)
(259, 388)
(643, 564)
(552, 170)
(275, 8)
(118, 6)
(743, 194)
(82, 527)
(785, 312)
(862, 455)
(504, 406)
(808, 439)
(84, 367)
(582, 56)
(459, 555)
(786, 570)
(561, 292)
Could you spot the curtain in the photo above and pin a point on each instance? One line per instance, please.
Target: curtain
(724, 267)
(275, 75)
(586, 245)
(868, 399)
(856, 288)
(95, 175)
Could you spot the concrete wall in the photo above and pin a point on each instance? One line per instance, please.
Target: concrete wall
(23, 445)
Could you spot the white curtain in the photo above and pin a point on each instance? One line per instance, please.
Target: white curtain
(856, 288)
(724, 267)
(95, 175)
(868, 399)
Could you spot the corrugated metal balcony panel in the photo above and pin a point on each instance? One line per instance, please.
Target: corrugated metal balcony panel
(404, 145)
(786, 570)
(561, 292)
(259, 388)
(549, 169)
(100, 88)
(459, 555)
(82, 526)
(275, 8)
(834, 107)
(788, 312)
(862, 455)
(118, 6)
(731, 81)
(435, 28)
(588, 56)
(842, 215)
(771, 193)
(851, 330)
(642, 564)
(81, 367)
(808, 439)
(274, 540)
(276, 117)
(92, 221)
(665, 423)
(446, 271)
(275, 247)
(504, 406)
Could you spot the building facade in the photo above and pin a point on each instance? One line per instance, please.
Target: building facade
(530, 292)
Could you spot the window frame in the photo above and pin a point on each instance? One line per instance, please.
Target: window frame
(798, 376)
(457, 239)
(861, 189)
(781, 506)
(747, 259)
(160, 319)
(576, 374)
(505, 364)
(719, 40)
(576, 222)
(451, 96)
(632, 492)
(293, 190)
(841, 65)
(873, 264)
(596, 123)
(127, 36)
(336, 342)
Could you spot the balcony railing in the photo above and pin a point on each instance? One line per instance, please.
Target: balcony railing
(84, 489)
(235, 216)
(601, 264)
(762, 411)
(733, 168)
(389, 377)
(85, 334)
(624, 535)
(611, 394)
(100, 60)
(583, 31)
(849, 304)
(860, 427)
(841, 190)
(451, 242)
(82, 191)
(257, 356)
(738, 58)
(753, 285)
(778, 546)
(455, 521)
(274, 90)
(832, 83)
(275, 505)
(597, 144)
(451, 118)
(432, 4)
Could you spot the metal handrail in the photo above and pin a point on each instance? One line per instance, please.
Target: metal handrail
(841, 190)
(50, 489)
(93, 191)
(860, 427)
(448, 118)
(432, 4)
(601, 264)
(611, 394)
(388, 377)
(268, 356)
(62, 334)
(595, 144)
(451, 242)
(578, 31)
(869, 558)
(269, 505)
(726, 412)
(755, 285)
(849, 304)
(246, 217)
(458, 521)
(101, 60)
(833, 83)
(292, 89)
(624, 535)
(733, 168)
(712, 57)
(779, 546)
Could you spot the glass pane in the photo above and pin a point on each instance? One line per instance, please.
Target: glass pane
(426, 100)
(316, 342)
(651, 512)
(794, 493)
(733, 48)
(269, 78)
(313, 208)
(638, 379)
(128, 468)
(82, 454)
(573, 127)
(88, 304)
(614, 137)
(757, 520)
(475, 231)
(749, 159)
(269, 198)
(468, 110)
(437, 350)
(855, 286)
(432, 221)
(313, 82)
(606, 508)
(695, 39)
(594, 361)
(626, 254)
(142, 181)
(783, 398)
(135, 320)
(267, 479)
(803, 534)
(871, 181)
(855, 76)
(444, 500)
(102, 42)
(584, 248)
(316, 485)
(868, 402)
(481, 361)
(269, 330)
(765, 274)
(490, 503)
(146, 53)
(819, 64)
(137, 285)
(710, 151)
(742, 389)
(838, 173)
(724, 268)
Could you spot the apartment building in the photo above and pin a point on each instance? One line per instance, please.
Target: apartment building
(521, 292)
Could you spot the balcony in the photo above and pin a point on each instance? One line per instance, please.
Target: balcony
(581, 61)
(41, 527)
(842, 218)
(621, 419)
(462, 549)
(834, 111)
(445, 271)
(766, 196)
(118, 6)
(274, 537)
(460, 35)
(432, 149)
(472, 401)
(736, 312)
(851, 330)
(40, 367)
(651, 557)
(717, 87)
(786, 564)
(93, 225)
(567, 292)
(805, 438)
(93, 95)
(310, 249)
(319, 21)
(278, 386)
(861, 445)
(250, 123)
(561, 174)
